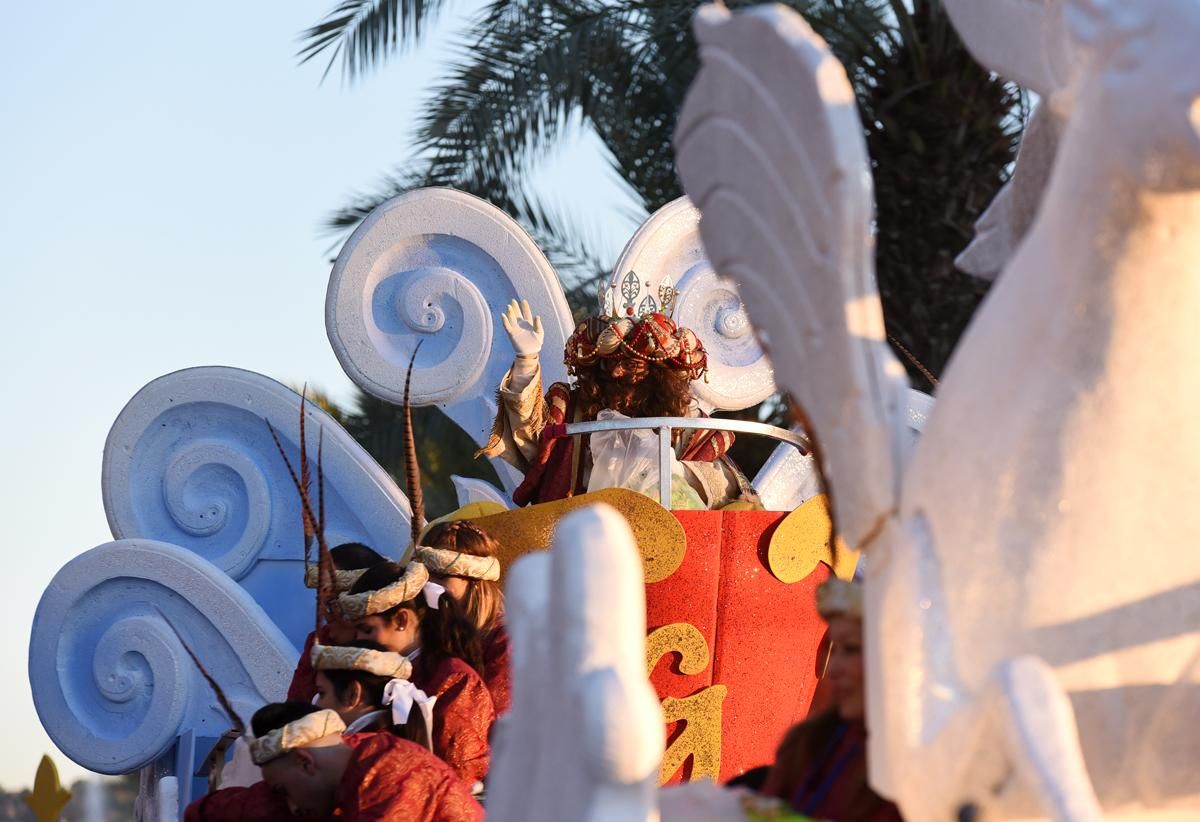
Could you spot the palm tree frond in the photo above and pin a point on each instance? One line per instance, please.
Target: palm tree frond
(365, 32)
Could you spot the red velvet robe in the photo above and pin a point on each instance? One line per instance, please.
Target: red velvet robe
(462, 715)
(393, 780)
(253, 804)
(387, 779)
(558, 472)
(495, 668)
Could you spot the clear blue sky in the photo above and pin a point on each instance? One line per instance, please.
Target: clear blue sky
(164, 169)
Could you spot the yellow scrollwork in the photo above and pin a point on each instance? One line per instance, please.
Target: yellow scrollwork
(701, 712)
(803, 539)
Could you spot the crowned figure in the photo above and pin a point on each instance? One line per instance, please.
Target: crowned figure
(630, 360)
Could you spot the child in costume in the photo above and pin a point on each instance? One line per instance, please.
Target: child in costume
(399, 608)
(306, 760)
(349, 561)
(462, 559)
(638, 365)
(371, 689)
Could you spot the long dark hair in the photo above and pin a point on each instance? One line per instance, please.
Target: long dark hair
(445, 631)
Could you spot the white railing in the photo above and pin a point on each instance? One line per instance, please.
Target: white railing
(665, 425)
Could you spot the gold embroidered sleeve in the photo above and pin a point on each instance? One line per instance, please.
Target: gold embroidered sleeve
(521, 414)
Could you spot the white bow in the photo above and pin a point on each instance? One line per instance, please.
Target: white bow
(402, 694)
(433, 593)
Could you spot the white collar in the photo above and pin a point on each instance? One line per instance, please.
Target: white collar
(362, 722)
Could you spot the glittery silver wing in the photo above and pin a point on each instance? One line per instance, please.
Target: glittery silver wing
(770, 148)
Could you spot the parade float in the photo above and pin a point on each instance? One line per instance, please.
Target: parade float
(1025, 658)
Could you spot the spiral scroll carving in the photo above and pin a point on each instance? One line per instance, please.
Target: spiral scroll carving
(442, 309)
(190, 461)
(437, 266)
(111, 680)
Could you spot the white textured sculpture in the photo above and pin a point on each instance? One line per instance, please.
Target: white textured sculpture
(1036, 571)
(668, 247)
(111, 679)
(440, 265)
(190, 461)
(584, 737)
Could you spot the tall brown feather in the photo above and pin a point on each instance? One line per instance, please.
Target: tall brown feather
(305, 478)
(222, 699)
(413, 467)
(326, 596)
(310, 521)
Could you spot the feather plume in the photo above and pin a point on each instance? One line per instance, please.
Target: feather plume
(413, 473)
(222, 699)
(305, 479)
(325, 604)
(326, 596)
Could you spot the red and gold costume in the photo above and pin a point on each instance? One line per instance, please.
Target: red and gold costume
(253, 804)
(530, 433)
(387, 778)
(462, 715)
(393, 780)
(496, 674)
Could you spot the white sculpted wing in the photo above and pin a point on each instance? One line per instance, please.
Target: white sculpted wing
(1022, 40)
(770, 148)
(438, 266)
(668, 249)
(584, 738)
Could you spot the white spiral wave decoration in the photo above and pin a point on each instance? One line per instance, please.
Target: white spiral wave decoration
(111, 680)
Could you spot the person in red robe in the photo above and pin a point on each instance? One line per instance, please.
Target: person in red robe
(398, 607)
(349, 560)
(638, 365)
(821, 766)
(461, 557)
(318, 772)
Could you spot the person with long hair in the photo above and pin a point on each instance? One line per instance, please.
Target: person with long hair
(399, 608)
(371, 689)
(349, 561)
(821, 767)
(462, 558)
(636, 364)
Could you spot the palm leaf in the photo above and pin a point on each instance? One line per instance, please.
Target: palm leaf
(363, 33)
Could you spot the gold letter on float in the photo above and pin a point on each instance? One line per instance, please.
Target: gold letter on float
(700, 712)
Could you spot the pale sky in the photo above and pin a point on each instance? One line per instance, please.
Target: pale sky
(164, 169)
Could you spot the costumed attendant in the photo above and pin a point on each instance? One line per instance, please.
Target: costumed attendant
(371, 689)
(306, 760)
(349, 562)
(638, 365)
(399, 608)
(461, 558)
(821, 767)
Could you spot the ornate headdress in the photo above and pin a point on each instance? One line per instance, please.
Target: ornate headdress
(295, 734)
(342, 580)
(449, 563)
(839, 597)
(356, 606)
(636, 330)
(347, 658)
